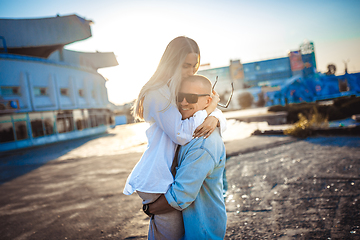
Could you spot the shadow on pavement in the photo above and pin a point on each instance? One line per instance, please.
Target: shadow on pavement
(21, 161)
(339, 141)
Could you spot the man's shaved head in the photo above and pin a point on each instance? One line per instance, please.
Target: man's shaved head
(204, 80)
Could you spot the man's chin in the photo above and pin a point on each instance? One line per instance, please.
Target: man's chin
(186, 113)
(185, 116)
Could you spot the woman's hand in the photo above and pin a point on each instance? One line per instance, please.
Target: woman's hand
(206, 128)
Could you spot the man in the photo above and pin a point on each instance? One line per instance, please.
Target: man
(197, 190)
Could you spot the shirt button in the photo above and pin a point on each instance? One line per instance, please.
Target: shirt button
(178, 133)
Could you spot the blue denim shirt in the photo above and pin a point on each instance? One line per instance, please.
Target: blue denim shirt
(197, 190)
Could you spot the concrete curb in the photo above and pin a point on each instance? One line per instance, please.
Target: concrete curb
(256, 143)
(333, 131)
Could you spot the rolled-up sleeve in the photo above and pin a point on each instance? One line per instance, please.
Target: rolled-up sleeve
(167, 116)
(195, 167)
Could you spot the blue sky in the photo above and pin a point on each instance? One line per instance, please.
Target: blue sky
(138, 32)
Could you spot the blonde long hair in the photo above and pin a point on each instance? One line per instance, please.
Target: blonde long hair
(170, 67)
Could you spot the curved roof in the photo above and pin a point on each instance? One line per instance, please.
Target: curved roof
(40, 37)
(93, 60)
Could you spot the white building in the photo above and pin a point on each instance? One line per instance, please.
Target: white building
(48, 94)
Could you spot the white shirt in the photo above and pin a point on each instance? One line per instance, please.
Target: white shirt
(152, 173)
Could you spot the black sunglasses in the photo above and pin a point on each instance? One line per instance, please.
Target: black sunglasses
(190, 98)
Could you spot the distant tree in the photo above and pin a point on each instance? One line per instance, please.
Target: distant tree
(261, 102)
(246, 100)
(224, 96)
(346, 67)
(331, 69)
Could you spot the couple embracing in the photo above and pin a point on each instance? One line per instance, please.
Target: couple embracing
(180, 175)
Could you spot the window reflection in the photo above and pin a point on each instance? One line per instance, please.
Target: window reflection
(36, 125)
(6, 129)
(100, 117)
(19, 126)
(21, 130)
(79, 119)
(64, 121)
(92, 114)
(48, 118)
(110, 119)
(20, 123)
(86, 118)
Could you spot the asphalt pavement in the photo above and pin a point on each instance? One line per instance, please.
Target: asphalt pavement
(307, 189)
(279, 187)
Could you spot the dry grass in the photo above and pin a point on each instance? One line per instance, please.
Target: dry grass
(305, 126)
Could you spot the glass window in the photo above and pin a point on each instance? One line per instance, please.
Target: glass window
(100, 117)
(64, 91)
(60, 123)
(79, 119)
(36, 125)
(49, 121)
(64, 121)
(92, 116)
(20, 123)
(6, 129)
(40, 91)
(21, 130)
(9, 91)
(81, 92)
(103, 118)
(86, 118)
(110, 119)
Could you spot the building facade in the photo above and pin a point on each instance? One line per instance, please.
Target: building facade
(54, 98)
(261, 76)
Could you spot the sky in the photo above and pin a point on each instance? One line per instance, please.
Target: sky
(138, 31)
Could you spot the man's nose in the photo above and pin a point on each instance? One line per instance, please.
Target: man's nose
(184, 102)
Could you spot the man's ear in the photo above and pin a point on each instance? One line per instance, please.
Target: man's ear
(208, 101)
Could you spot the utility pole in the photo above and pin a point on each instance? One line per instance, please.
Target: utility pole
(346, 62)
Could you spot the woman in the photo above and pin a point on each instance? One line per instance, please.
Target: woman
(156, 104)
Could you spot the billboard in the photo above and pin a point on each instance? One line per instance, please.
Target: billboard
(296, 62)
